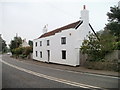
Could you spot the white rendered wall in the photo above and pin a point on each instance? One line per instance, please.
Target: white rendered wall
(74, 39)
(56, 48)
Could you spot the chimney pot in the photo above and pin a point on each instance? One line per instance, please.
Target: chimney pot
(84, 7)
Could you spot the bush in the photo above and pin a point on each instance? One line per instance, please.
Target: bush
(22, 56)
(97, 49)
(117, 45)
(27, 51)
(22, 51)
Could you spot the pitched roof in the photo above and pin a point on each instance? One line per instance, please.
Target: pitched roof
(72, 25)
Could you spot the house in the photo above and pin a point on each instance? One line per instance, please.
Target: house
(24, 43)
(62, 45)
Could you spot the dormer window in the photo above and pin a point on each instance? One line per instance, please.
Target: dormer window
(63, 40)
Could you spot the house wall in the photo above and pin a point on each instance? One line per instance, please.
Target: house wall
(74, 39)
(55, 47)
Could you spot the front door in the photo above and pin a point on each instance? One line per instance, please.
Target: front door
(48, 52)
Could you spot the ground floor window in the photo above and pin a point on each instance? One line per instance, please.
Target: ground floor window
(40, 54)
(36, 54)
(63, 54)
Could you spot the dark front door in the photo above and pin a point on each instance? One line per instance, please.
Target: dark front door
(48, 51)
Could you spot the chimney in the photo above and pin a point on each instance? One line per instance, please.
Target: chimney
(85, 15)
(45, 29)
(84, 7)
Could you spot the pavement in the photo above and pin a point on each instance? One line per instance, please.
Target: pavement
(71, 68)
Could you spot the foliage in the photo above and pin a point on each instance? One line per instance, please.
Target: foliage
(114, 28)
(117, 45)
(96, 49)
(114, 21)
(22, 56)
(30, 43)
(22, 51)
(3, 45)
(114, 14)
(91, 47)
(109, 38)
(15, 43)
(27, 51)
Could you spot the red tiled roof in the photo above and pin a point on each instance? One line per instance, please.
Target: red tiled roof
(72, 25)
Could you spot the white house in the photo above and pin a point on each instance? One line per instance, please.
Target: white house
(62, 45)
(24, 43)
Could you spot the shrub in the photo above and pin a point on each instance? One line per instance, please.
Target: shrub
(27, 51)
(22, 51)
(22, 56)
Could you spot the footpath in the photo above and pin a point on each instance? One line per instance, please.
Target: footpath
(71, 68)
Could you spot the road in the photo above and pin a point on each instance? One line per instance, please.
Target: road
(18, 74)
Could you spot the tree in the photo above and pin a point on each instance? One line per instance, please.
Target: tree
(96, 49)
(22, 51)
(30, 43)
(114, 14)
(15, 43)
(3, 45)
(114, 21)
(109, 38)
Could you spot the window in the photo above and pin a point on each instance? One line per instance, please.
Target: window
(36, 44)
(36, 54)
(40, 43)
(63, 40)
(40, 54)
(63, 54)
(48, 42)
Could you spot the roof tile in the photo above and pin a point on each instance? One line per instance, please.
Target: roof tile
(72, 25)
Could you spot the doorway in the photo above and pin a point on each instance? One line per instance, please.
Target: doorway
(48, 53)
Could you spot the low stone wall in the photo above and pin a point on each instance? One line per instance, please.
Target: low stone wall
(111, 66)
(113, 56)
(30, 56)
(111, 63)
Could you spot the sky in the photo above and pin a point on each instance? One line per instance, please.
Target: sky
(28, 17)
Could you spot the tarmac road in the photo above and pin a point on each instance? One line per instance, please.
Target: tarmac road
(17, 74)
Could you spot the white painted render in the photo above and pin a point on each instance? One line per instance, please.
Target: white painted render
(25, 44)
(74, 39)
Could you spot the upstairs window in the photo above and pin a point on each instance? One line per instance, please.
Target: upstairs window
(36, 44)
(40, 43)
(63, 54)
(63, 40)
(48, 42)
